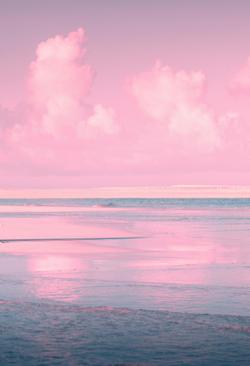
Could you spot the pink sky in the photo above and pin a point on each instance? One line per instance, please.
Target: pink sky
(124, 93)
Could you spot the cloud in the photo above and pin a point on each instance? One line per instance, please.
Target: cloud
(58, 127)
(60, 82)
(241, 80)
(175, 99)
(60, 131)
(102, 119)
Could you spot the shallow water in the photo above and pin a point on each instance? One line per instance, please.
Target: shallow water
(176, 293)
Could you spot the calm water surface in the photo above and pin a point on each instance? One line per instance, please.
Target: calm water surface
(125, 282)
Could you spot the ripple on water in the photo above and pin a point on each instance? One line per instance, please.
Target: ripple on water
(62, 334)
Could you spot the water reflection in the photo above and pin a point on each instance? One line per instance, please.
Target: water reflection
(185, 253)
(56, 277)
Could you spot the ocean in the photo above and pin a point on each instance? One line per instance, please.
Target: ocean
(125, 282)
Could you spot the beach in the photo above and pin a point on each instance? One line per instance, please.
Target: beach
(124, 281)
(124, 183)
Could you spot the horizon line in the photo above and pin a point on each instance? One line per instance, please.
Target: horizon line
(168, 191)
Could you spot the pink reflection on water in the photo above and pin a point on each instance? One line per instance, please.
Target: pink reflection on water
(56, 276)
(54, 227)
(55, 264)
(201, 252)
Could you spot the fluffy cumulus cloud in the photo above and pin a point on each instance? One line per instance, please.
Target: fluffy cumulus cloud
(175, 99)
(58, 115)
(241, 80)
(60, 82)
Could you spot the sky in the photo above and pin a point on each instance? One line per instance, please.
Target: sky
(124, 93)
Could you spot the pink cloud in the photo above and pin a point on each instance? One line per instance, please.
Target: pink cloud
(60, 83)
(59, 70)
(241, 80)
(102, 119)
(175, 99)
(60, 131)
(59, 126)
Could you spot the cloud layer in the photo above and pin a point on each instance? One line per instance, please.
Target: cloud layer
(59, 130)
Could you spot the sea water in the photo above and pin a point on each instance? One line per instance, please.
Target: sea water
(124, 282)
